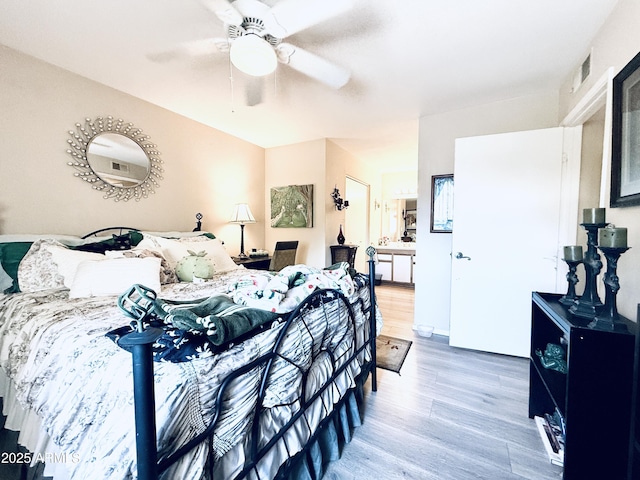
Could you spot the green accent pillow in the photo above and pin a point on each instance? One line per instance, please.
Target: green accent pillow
(136, 238)
(10, 256)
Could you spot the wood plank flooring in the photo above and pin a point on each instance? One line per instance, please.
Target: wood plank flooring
(452, 413)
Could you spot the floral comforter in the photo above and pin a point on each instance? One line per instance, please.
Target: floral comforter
(79, 382)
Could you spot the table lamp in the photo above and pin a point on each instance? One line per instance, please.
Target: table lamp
(242, 215)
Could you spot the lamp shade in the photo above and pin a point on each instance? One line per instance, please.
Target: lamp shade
(253, 55)
(242, 214)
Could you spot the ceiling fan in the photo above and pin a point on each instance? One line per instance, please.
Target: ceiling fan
(255, 34)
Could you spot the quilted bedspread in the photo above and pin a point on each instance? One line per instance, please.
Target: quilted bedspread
(79, 382)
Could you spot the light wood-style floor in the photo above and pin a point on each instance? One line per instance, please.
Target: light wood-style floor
(452, 413)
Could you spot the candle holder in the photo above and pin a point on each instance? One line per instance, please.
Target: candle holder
(572, 278)
(607, 318)
(588, 305)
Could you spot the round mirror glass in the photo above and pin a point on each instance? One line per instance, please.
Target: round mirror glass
(118, 160)
(115, 158)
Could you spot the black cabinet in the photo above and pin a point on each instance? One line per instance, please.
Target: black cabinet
(596, 394)
(344, 253)
(635, 443)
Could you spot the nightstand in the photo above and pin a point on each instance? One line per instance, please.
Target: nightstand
(257, 263)
(344, 253)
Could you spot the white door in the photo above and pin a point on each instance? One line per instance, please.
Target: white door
(357, 220)
(507, 224)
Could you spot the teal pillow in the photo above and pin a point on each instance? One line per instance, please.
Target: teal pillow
(10, 256)
(136, 238)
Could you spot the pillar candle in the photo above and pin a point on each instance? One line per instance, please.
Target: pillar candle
(612, 237)
(573, 253)
(593, 215)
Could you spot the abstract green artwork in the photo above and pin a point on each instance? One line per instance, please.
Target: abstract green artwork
(292, 206)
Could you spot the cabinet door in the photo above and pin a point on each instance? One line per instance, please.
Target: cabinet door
(384, 266)
(402, 268)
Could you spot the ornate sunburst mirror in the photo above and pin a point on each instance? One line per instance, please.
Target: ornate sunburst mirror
(115, 158)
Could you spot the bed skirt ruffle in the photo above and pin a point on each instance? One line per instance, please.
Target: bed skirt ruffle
(326, 446)
(330, 438)
(31, 434)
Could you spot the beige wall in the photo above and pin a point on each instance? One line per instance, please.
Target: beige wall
(360, 171)
(299, 164)
(617, 42)
(437, 136)
(614, 46)
(335, 176)
(205, 170)
(590, 169)
(40, 103)
(395, 184)
(325, 165)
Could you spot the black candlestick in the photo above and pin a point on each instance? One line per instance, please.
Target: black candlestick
(572, 278)
(607, 318)
(588, 305)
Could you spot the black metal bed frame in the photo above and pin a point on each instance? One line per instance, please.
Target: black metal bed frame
(123, 230)
(110, 230)
(150, 467)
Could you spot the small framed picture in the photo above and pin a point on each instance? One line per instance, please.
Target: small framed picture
(625, 143)
(442, 204)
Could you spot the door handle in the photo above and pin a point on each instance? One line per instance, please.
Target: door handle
(460, 256)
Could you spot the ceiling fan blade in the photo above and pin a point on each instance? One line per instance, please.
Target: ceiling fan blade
(194, 49)
(292, 16)
(224, 11)
(313, 66)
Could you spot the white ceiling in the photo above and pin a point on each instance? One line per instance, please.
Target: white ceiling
(408, 58)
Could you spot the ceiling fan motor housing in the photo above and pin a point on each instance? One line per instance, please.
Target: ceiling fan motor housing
(252, 25)
(257, 33)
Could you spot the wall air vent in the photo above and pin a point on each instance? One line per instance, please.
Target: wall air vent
(120, 167)
(582, 73)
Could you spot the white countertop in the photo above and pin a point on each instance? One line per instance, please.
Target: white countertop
(398, 247)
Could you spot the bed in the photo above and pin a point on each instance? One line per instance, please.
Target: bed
(256, 375)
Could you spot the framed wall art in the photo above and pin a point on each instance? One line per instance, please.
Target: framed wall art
(292, 206)
(442, 204)
(625, 142)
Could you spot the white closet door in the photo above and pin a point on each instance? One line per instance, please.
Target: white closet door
(357, 220)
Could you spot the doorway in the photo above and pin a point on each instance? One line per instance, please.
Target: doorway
(356, 228)
(506, 338)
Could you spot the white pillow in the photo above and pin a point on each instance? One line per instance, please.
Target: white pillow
(68, 260)
(175, 235)
(98, 278)
(175, 250)
(167, 274)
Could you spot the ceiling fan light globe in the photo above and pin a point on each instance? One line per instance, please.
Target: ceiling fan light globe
(252, 55)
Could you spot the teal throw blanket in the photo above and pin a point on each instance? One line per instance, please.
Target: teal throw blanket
(218, 317)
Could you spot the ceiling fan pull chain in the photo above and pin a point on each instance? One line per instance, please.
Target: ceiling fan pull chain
(231, 86)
